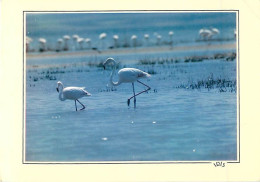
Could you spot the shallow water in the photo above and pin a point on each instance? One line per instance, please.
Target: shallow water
(175, 121)
(169, 124)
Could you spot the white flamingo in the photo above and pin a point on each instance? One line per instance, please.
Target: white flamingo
(171, 35)
(42, 46)
(146, 37)
(215, 31)
(28, 41)
(128, 75)
(134, 39)
(66, 42)
(71, 93)
(205, 34)
(102, 36)
(80, 42)
(59, 42)
(88, 41)
(75, 38)
(115, 37)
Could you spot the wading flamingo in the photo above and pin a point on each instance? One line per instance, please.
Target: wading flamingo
(171, 35)
(71, 93)
(215, 31)
(128, 75)
(75, 38)
(88, 41)
(80, 42)
(28, 41)
(58, 46)
(205, 34)
(134, 39)
(66, 42)
(116, 37)
(146, 37)
(102, 36)
(42, 46)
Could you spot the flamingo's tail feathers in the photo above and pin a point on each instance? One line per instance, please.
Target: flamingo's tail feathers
(144, 75)
(148, 75)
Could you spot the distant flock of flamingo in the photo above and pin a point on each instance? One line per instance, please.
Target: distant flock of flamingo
(125, 75)
(63, 44)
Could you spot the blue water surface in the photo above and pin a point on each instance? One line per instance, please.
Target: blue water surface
(172, 122)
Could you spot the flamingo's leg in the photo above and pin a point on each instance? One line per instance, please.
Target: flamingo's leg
(128, 101)
(76, 105)
(148, 88)
(83, 107)
(134, 94)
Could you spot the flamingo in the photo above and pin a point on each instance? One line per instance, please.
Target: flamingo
(206, 34)
(28, 41)
(171, 35)
(71, 93)
(115, 37)
(215, 31)
(102, 36)
(146, 37)
(42, 46)
(75, 38)
(59, 42)
(134, 39)
(66, 42)
(80, 42)
(88, 41)
(128, 75)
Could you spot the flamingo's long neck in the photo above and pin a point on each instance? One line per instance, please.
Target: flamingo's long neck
(112, 74)
(61, 97)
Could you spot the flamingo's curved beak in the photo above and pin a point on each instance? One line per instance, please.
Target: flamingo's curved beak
(104, 67)
(57, 89)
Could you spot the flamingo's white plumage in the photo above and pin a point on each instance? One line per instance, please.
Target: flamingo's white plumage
(42, 45)
(80, 41)
(88, 41)
(115, 37)
(205, 33)
(127, 75)
(66, 42)
(58, 46)
(215, 30)
(71, 93)
(102, 36)
(134, 39)
(146, 37)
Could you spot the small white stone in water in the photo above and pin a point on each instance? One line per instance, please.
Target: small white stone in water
(194, 150)
(154, 122)
(104, 138)
(132, 122)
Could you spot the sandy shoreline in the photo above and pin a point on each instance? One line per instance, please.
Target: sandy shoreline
(132, 50)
